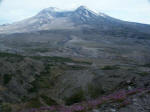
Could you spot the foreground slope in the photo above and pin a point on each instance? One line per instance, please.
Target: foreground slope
(28, 82)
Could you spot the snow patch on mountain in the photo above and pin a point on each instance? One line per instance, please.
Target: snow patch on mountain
(83, 10)
(52, 9)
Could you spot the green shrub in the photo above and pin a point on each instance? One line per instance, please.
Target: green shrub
(34, 103)
(78, 96)
(108, 67)
(143, 73)
(6, 107)
(7, 78)
(76, 67)
(32, 89)
(94, 90)
(41, 82)
(24, 98)
(146, 65)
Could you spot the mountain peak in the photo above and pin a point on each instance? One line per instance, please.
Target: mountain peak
(50, 9)
(84, 11)
(82, 8)
(48, 12)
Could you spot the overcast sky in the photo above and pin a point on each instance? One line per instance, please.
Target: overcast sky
(129, 10)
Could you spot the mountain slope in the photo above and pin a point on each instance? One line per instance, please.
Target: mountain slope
(78, 33)
(52, 18)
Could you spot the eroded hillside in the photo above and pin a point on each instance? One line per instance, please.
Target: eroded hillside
(33, 81)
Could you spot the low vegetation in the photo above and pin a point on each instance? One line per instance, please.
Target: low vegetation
(7, 78)
(95, 90)
(5, 107)
(77, 97)
(120, 97)
(144, 73)
(146, 65)
(110, 67)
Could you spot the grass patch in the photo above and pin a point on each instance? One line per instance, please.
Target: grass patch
(60, 59)
(48, 100)
(55, 58)
(9, 55)
(144, 73)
